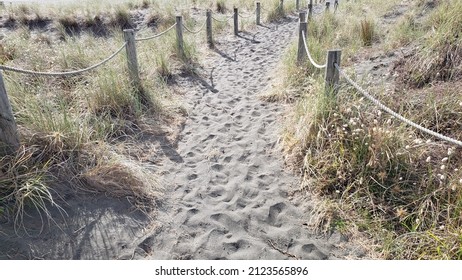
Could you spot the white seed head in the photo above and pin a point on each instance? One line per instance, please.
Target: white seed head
(443, 167)
(428, 159)
(444, 159)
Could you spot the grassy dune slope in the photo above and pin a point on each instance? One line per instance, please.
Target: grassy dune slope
(374, 176)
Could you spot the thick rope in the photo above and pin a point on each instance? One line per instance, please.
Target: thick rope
(157, 35)
(197, 31)
(394, 114)
(69, 73)
(309, 55)
(246, 16)
(225, 20)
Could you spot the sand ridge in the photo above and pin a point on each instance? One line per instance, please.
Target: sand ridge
(227, 187)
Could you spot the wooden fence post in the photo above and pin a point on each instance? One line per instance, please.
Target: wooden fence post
(132, 61)
(208, 23)
(332, 74)
(302, 16)
(327, 6)
(297, 5)
(9, 139)
(310, 10)
(179, 36)
(301, 54)
(236, 21)
(258, 11)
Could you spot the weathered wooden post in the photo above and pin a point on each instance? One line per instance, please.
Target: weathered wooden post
(297, 5)
(327, 6)
(9, 139)
(302, 16)
(179, 37)
(310, 10)
(301, 54)
(236, 21)
(332, 74)
(208, 23)
(258, 12)
(132, 61)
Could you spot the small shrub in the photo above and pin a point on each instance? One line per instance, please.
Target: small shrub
(221, 6)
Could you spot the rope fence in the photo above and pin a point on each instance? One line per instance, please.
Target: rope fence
(156, 35)
(245, 15)
(9, 135)
(377, 103)
(223, 20)
(195, 31)
(68, 73)
(333, 71)
(309, 55)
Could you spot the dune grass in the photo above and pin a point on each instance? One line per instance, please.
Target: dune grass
(372, 176)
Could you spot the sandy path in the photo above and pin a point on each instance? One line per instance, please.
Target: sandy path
(228, 195)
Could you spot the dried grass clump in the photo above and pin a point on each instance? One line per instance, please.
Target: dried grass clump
(367, 31)
(124, 179)
(221, 6)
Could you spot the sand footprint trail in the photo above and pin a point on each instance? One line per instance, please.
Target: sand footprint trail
(227, 195)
